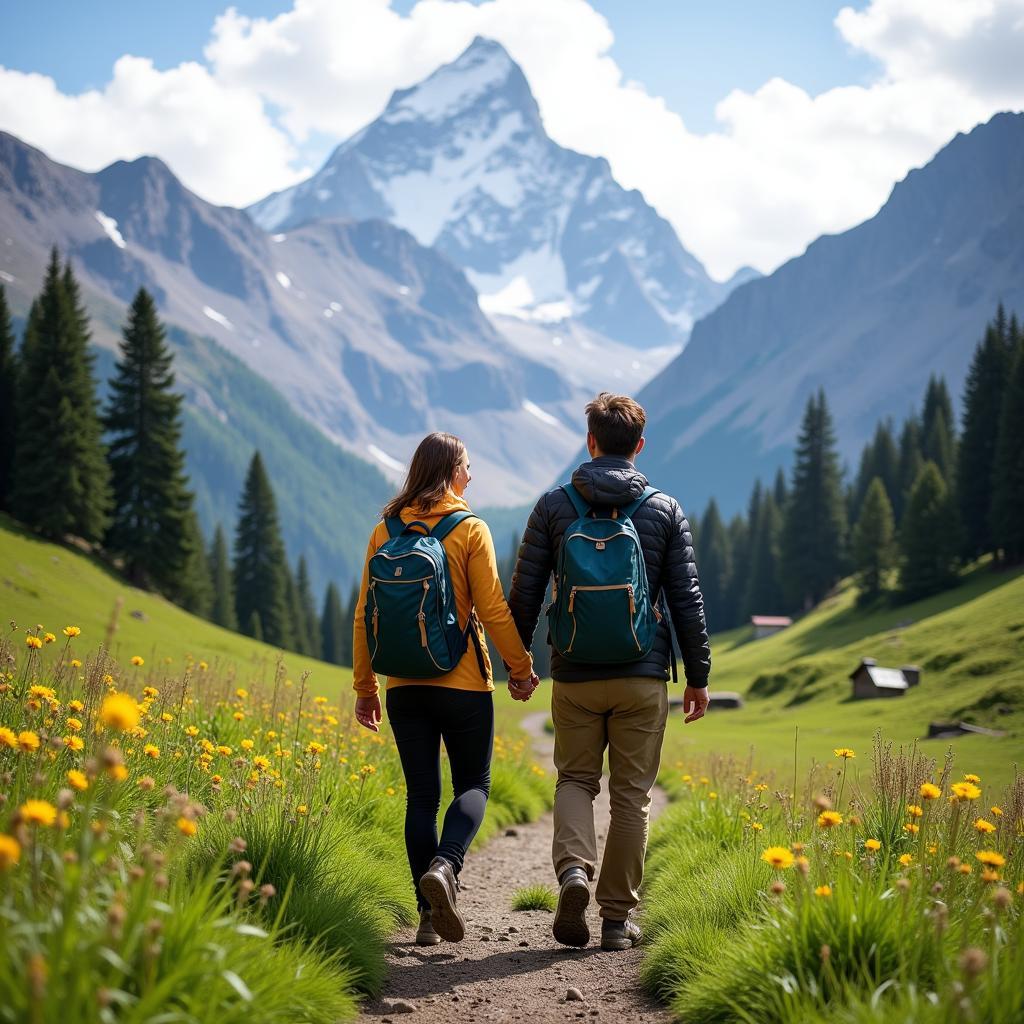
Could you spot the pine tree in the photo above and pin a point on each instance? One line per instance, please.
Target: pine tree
(739, 567)
(1008, 468)
(714, 567)
(879, 458)
(296, 635)
(152, 502)
(982, 410)
(193, 587)
(61, 477)
(764, 594)
(312, 638)
(8, 391)
(874, 544)
(910, 461)
(260, 570)
(349, 613)
(222, 609)
(255, 627)
(333, 627)
(813, 533)
(928, 542)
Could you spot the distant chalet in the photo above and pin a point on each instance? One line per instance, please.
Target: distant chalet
(766, 625)
(872, 680)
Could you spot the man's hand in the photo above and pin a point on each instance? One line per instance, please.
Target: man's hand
(368, 712)
(695, 702)
(523, 689)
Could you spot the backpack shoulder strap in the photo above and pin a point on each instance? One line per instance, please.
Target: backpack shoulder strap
(395, 526)
(582, 508)
(634, 506)
(449, 522)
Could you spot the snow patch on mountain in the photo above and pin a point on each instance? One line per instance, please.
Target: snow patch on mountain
(109, 225)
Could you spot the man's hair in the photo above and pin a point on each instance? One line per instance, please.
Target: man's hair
(617, 423)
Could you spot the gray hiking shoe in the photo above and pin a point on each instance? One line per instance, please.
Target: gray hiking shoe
(439, 888)
(570, 925)
(619, 935)
(425, 934)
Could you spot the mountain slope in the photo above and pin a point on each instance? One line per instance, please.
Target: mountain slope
(370, 336)
(463, 162)
(867, 314)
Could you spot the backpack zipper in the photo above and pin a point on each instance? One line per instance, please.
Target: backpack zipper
(628, 587)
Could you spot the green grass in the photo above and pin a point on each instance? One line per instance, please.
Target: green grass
(968, 643)
(42, 582)
(535, 897)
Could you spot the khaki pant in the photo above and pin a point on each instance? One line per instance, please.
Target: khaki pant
(628, 717)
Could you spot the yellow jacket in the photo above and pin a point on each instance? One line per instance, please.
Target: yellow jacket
(474, 574)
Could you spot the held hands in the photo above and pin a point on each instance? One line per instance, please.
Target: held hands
(695, 702)
(368, 712)
(522, 689)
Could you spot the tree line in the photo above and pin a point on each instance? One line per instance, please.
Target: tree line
(114, 476)
(925, 501)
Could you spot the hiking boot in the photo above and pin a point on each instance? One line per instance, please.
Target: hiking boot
(439, 887)
(425, 934)
(570, 924)
(618, 935)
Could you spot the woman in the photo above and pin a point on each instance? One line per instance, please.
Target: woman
(455, 708)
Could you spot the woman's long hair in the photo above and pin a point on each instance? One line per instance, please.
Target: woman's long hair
(430, 474)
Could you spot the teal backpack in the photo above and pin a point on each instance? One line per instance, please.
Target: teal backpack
(601, 611)
(412, 627)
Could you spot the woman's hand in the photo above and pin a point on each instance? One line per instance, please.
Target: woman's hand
(368, 712)
(523, 689)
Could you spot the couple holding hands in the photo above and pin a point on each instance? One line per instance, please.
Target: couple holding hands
(621, 556)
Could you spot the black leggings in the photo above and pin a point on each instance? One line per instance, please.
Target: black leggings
(421, 717)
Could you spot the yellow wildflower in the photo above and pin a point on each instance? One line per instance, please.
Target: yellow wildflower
(914, 810)
(75, 706)
(964, 869)
(48, 638)
(260, 762)
(778, 856)
(74, 743)
(33, 643)
(972, 778)
(72, 631)
(241, 694)
(965, 791)
(75, 663)
(844, 752)
(829, 819)
(28, 741)
(10, 852)
(41, 692)
(187, 827)
(996, 811)
(38, 812)
(873, 845)
(906, 859)
(8, 738)
(117, 772)
(77, 779)
(982, 826)
(912, 828)
(74, 724)
(119, 712)
(138, 662)
(929, 791)
(991, 858)
(247, 744)
(151, 750)
(823, 890)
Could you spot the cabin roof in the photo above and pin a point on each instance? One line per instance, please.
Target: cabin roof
(771, 620)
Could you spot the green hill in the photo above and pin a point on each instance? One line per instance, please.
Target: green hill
(968, 643)
(56, 586)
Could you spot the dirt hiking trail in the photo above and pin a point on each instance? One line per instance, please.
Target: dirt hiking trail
(509, 967)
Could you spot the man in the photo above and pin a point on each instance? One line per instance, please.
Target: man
(621, 707)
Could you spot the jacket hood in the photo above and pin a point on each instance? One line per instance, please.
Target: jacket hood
(609, 480)
(451, 502)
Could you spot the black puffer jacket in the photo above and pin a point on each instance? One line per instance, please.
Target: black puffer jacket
(668, 552)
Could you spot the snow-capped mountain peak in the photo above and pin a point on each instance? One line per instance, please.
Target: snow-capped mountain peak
(463, 163)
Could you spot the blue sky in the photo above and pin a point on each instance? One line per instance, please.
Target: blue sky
(691, 52)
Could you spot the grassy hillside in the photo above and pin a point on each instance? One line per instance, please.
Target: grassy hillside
(968, 642)
(56, 586)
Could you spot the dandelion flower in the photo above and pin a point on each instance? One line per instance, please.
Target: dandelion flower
(151, 750)
(75, 663)
(965, 869)
(988, 875)
(991, 858)
(74, 743)
(72, 631)
(911, 828)
(28, 741)
(914, 810)
(10, 852)
(829, 819)
(757, 826)
(261, 763)
(778, 856)
(982, 826)
(8, 738)
(247, 744)
(187, 827)
(302, 809)
(972, 778)
(241, 694)
(873, 845)
(224, 751)
(906, 859)
(48, 638)
(77, 779)
(74, 724)
(119, 712)
(997, 812)
(965, 791)
(929, 791)
(117, 772)
(823, 890)
(760, 787)
(844, 752)
(138, 662)
(38, 812)
(33, 643)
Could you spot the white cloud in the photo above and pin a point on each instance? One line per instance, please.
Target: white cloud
(216, 137)
(782, 167)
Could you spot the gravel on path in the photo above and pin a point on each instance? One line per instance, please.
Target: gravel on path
(509, 967)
